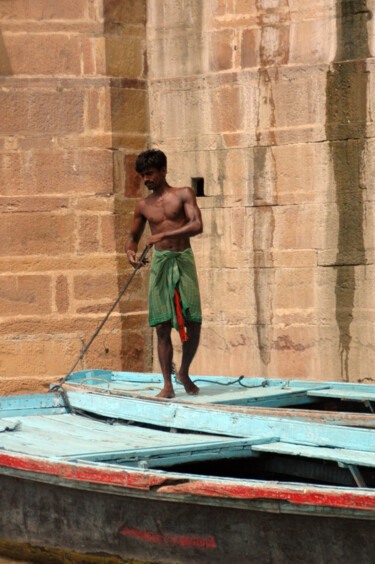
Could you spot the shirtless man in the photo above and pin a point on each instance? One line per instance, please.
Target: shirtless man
(174, 217)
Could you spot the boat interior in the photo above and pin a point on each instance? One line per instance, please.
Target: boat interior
(232, 429)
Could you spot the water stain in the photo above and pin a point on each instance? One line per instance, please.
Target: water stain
(273, 51)
(346, 111)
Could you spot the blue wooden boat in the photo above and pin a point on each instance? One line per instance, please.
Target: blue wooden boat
(101, 470)
(335, 402)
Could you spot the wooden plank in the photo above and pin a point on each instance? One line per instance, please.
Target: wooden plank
(72, 435)
(31, 404)
(203, 381)
(220, 421)
(178, 454)
(344, 456)
(270, 396)
(329, 417)
(348, 395)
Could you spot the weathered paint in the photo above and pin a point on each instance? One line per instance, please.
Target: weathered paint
(167, 516)
(169, 539)
(187, 485)
(240, 534)
(197, 417)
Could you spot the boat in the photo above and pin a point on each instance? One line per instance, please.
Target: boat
(99, 470)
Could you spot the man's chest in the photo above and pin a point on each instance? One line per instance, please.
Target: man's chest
(164, 210)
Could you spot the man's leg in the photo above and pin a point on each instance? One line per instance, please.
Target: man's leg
(189, 348)
(165, 352)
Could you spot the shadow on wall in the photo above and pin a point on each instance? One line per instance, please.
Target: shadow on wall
(126, 69)
(346, 113)
(5, 67)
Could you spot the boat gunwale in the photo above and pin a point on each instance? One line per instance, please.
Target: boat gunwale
(182, 485)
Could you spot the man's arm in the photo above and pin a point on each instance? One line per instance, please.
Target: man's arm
(137, 228)
(193, 226)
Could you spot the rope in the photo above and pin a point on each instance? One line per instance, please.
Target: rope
(141, 263)
(237, 381)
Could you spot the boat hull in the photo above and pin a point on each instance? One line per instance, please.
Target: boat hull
(135, 525)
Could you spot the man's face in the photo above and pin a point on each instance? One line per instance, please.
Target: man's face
(153, 178)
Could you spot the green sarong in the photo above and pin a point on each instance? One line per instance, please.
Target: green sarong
(169, 271)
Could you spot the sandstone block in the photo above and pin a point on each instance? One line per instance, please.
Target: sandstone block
(92, 116)
(298, 172)
(122, 350)
(227, 294)
(128, 110)
(294, 288)
(132, 12)
(115, 230)
(74, 172)
(283, 117)
(43, 10)
(235, 353)
(36, 234)
(88, 236)
(125, 56)
(95, 286)
(220, 50)
(133, 181)
(94, 56)
(32, 204)
(226, 110)
(24, 385)
(62, 294)
(249, 7)
(25, 295)
(294, 352)
(38, 356)
(37, 111)
(250, 48)
(46, 54)
(295, 227)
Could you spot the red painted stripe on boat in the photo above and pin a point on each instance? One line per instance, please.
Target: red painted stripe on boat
(306, 496)
(75, 472)
(170, 539)
(310, 495)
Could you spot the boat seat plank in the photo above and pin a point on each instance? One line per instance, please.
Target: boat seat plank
(349, 395)
(267, 396)
(179, 454)
(71, 435)
(339, 455)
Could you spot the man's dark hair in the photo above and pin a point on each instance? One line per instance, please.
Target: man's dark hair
(150, 159)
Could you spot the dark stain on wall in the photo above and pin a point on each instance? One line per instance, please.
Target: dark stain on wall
(346, 110)
(265, 196)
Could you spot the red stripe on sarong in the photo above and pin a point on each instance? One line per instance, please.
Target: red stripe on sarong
(180, 319)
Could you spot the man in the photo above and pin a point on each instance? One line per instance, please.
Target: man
(174, 217)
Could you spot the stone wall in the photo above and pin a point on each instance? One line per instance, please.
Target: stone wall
(73, 115)
(271, 102)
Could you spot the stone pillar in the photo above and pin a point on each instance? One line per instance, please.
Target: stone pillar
(72, 119)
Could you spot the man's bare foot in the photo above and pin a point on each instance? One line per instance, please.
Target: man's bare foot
(190, 387)
(166, 393)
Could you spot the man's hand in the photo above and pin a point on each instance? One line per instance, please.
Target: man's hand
(131, 258)
(154, 239)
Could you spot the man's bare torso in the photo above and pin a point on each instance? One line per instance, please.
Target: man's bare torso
(166, 212)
